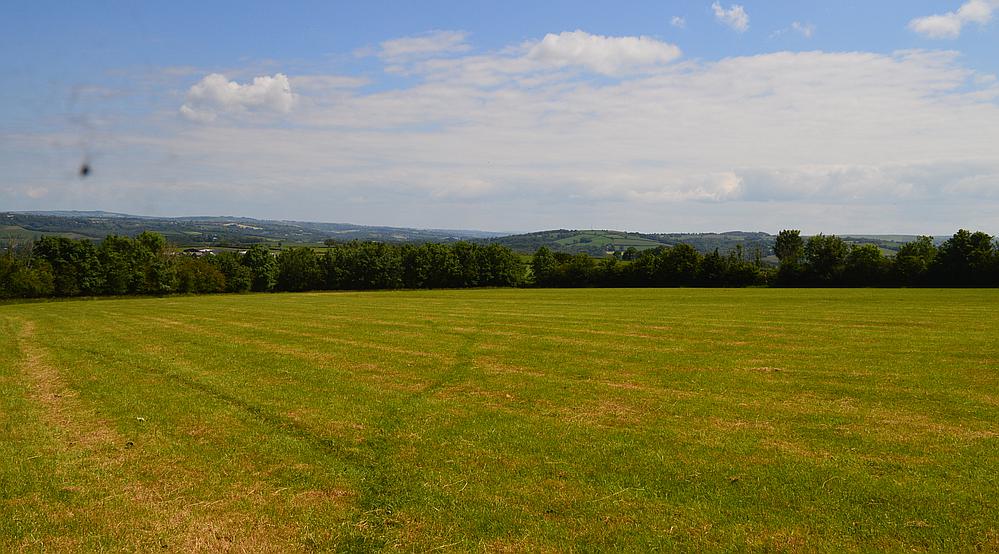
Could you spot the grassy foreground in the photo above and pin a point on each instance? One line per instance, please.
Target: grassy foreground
(503, 420)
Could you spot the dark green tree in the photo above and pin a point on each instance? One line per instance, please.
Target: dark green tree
(713, 269)
(117, 259)
(467, 258)
(262, 266)
(912, 262)
(681, 265)
(865, 266)
(966, 259)
(23, 277)
(825, 259)
(75, 265)
(198, 276)
(790, 251)
(298, 270)
(238, 278)
(579, 270)
(156, 274)
(789, 247)
(500, 267)
(544, 267)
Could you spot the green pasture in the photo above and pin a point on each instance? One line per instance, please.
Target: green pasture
(608, 239)
(503, 421)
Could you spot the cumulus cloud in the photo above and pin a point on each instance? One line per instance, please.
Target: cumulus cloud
(678, 22)
(216, 95)
(950, 24)
(433, 43)
(606, 55)
(735, 16)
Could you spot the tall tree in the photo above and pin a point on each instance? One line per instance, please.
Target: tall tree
(238, 278)
(262, 266)
(789, 247)
(156, 274)
(298, 270)
(75, 265)
(913, 261)
(965, 259)
(865, 266)
(544, 266)
(790, 251)
(198, 276)
(825, 259)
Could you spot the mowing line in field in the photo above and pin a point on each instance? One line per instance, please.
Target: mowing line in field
(62, 410)
(633, 420)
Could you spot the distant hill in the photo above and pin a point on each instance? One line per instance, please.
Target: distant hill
(243, 231)
(603, 242)
(213, 230)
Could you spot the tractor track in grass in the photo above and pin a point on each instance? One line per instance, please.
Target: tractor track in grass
(381, 495)
(60, 407)
(187, 327)
(382, 488)
(83, 444)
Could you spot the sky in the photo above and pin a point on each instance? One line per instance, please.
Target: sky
(515, 116)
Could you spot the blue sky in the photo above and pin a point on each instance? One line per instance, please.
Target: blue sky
(650, 116)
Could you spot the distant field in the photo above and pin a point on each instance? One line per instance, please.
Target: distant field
(18, 235)
(503, 420)
(608, 239)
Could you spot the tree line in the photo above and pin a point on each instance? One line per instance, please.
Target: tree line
(58, 266)
(967, 259)
(676, 266)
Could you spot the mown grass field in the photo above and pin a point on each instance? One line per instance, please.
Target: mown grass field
(503, 420)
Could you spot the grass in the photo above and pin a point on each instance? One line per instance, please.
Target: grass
(503, 420)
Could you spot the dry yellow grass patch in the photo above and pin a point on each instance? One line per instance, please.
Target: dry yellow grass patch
(911, 427)
(605, 412)
(797, 449)
(60, 405)
(495, 366)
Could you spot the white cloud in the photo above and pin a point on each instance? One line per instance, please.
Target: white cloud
(433, 43)
(950, 24)
(900, 142)
(782, 127)
(804, 29)
(735, 16)
(678, 22)
(606, 55)
(216, 95)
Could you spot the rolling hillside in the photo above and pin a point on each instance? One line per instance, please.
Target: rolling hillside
(602, 242)
(242, 231)
(212, 230)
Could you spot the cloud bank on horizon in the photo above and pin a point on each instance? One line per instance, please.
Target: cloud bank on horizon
(567, 129)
